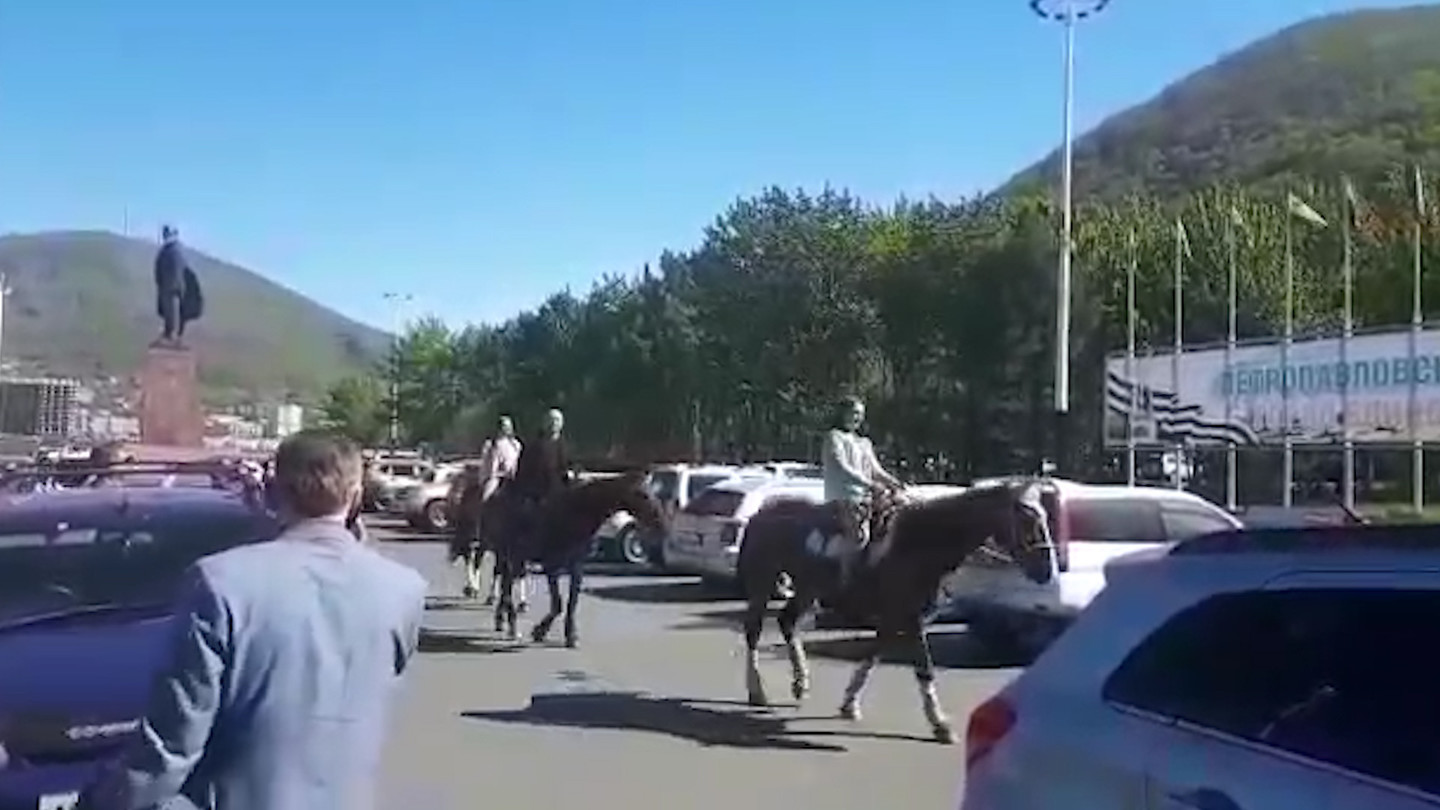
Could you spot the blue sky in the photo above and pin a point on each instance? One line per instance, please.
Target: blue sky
(480, 155)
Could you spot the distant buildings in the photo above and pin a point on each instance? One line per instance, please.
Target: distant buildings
(287, 419)
(44, 407)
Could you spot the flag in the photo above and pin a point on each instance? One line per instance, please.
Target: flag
(1419, 193)
(1182, 239)
(1301, 209)
(1352, 203)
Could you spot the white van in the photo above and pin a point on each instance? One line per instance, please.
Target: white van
(1091, 524)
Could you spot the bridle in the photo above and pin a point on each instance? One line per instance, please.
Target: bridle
(992, 549)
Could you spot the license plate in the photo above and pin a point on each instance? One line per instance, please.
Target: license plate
(59, 801)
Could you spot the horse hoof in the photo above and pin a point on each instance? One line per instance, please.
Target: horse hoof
(799, 690)
(572, 643)
(944, 734)
(849, 712)
(468, 593)
(538, 634)
(489, 601)
(758, 701)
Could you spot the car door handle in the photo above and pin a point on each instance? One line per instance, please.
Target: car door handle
(1202, 799)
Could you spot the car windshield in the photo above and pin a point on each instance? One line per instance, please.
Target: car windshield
(73, 566)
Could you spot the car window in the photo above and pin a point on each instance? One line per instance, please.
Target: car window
(665, 485)
(715, 503)
(1335, 675)
(699, 483)
(1118, 520)
(1184, 521)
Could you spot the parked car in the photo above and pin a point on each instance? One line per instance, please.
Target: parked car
(1091, 524)
(706, 535)
(1257, 669)
(385, 476)
(87, 578)
(620, 539)
(426, 506)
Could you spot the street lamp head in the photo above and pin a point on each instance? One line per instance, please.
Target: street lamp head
(1063, 10)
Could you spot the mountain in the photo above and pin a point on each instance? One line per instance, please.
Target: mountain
(82, 303)
(1357, 92)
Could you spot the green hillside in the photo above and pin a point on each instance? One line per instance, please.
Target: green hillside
(83, 304)
(1357, 92)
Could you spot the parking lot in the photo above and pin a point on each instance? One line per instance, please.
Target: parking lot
(649, 711)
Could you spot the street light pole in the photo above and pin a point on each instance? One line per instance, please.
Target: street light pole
(398, 302)
(1067, 13)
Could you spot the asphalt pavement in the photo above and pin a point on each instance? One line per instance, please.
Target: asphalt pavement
(649, 711)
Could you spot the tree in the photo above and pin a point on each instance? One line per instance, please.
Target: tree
(356, 407)
(939, 313)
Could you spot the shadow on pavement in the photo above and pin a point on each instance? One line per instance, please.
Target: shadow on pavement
(720, 618)
(952, 648)
(675, 717)
(439, 603)
(436, 641)
(671, 592)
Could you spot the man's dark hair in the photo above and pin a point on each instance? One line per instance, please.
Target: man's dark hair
(843, 406)
(317, 473)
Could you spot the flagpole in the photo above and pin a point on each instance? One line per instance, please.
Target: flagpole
(1130, 273)
(1231, 465)
(1178, 447)
(1347, 332)
(1287, 475)
(1417, 322)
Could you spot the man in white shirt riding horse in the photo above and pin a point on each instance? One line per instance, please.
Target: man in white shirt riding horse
(853, 477)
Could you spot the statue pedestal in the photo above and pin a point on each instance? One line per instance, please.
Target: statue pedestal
(170, 411)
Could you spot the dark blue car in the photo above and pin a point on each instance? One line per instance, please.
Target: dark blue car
(86, 581)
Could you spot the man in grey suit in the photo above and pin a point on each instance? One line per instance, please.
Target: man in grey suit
(285, 662)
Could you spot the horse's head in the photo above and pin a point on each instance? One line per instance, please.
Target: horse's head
(634, 495)
(1022, 530)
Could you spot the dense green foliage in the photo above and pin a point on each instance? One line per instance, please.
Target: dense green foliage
(83, 304)
(939, 314)
(1357, 92)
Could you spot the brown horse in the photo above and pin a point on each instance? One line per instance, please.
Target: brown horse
(917, 544)
(558, 535)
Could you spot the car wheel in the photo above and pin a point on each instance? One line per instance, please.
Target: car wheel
(437, 515)
(632, 546)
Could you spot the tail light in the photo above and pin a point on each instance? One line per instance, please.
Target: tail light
(989, 724)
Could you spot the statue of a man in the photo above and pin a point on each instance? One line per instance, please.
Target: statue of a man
(178, 299)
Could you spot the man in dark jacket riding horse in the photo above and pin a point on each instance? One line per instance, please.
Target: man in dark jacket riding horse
(544, 466)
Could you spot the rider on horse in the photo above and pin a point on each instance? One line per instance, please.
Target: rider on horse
(853, 477)
(498, 459)
(543, 469)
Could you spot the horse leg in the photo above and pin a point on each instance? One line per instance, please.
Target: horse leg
(791, 614)
(542, 627)
(493, 594)
(576, 575)
(925, 677)
(756, 603)
(855, 689)
(505, 609)
(473, 556)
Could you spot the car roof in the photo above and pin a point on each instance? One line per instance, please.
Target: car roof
(702, 469)
(746, 484)
(107, 505)
(1104, 492)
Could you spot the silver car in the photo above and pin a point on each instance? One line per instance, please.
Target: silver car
(1266, 669)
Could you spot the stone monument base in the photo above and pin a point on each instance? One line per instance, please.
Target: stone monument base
(170, 411)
